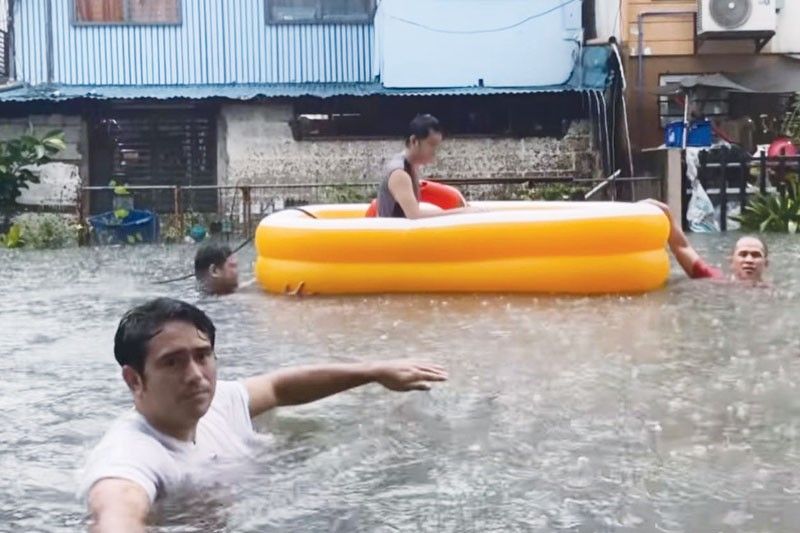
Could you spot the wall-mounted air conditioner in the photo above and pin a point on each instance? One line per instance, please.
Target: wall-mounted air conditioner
(731, 17)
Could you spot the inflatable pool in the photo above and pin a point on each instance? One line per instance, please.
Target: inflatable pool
(514, 247)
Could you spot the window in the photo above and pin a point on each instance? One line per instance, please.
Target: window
(706, 102)
(514, 116)
(127, 11)
(319, 11)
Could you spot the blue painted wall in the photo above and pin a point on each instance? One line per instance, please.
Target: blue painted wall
(413, 44)
(219, 41)
(458, 43)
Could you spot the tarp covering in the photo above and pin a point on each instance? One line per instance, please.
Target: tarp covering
(780, 77)
(715, 81)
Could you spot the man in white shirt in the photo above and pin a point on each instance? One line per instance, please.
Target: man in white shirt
(187, 428)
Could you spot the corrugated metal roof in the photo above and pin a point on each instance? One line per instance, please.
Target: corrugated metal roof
(248, 92)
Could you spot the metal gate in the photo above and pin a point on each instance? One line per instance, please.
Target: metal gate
(154, 147)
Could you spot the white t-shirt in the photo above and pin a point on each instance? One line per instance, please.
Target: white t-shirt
(132, 449)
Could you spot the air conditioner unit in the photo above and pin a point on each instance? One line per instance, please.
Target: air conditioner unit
(731, 17)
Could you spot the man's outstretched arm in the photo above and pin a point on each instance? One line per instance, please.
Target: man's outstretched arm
(304, 384)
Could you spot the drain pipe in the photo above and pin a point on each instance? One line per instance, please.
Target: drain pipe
(615, 47)
(49, 41)
(640, 37)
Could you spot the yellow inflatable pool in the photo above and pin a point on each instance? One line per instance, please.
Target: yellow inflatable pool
(531, 247)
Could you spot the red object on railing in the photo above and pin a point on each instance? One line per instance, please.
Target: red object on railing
(439, 194)
(782, 146)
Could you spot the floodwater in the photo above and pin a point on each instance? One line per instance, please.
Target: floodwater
(674, 411)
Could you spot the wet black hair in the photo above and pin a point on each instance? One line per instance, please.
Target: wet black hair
(422, 126)
(210, 254)
(143, 322)
(759, 239)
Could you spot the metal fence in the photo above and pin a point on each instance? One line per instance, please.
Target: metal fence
(239, 208)
(730, 184)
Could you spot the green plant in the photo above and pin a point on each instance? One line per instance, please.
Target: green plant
(171, 224)
(12, 239)
(791, 119)
(122, 202)
(347, 194)
(773, 212)
(550, 192)
(17, 157)
(41, 230)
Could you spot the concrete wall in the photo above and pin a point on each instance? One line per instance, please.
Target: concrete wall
(61, 179)
(256, 146)
(423, 44)
(608, 17)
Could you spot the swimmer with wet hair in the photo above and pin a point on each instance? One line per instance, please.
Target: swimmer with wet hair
(216, 269)
(187, 429)
(749, 260)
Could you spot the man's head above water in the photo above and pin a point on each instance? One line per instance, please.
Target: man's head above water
(749, 259)
(216, 269)
(166, 350)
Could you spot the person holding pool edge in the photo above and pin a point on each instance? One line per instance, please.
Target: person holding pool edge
(749, 259)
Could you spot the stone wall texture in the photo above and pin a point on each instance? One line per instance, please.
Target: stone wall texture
(257, 148)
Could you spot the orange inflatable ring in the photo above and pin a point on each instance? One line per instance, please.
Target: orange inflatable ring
(438, 194)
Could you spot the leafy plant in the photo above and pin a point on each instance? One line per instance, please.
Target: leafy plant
(551, 192)
(773, 212)
(12, 239)
(171, 224)
(17, 157)
(791, 119)
(347, 194)
(41, 230)
(122, 202)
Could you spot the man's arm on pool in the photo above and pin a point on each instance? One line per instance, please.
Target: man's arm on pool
(403, 193)
(683, 251)
(118, 505)
(304, 384)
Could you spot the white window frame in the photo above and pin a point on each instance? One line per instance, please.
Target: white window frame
(320, 19)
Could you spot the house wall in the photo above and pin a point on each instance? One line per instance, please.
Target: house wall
(669, 47)
(643, 102)
(675, 34)
(608, 19)
(217, 42)
(60, 181)
(256, 146)
(3, 15)
(423, 43)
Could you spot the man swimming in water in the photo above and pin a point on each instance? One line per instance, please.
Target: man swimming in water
(187, 428)
(216, 269)
(749, 260)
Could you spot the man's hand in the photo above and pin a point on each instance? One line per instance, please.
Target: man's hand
(407, 375)
(661, 205)
(304, 384)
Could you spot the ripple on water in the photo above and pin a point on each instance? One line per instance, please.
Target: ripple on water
(673, 411)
